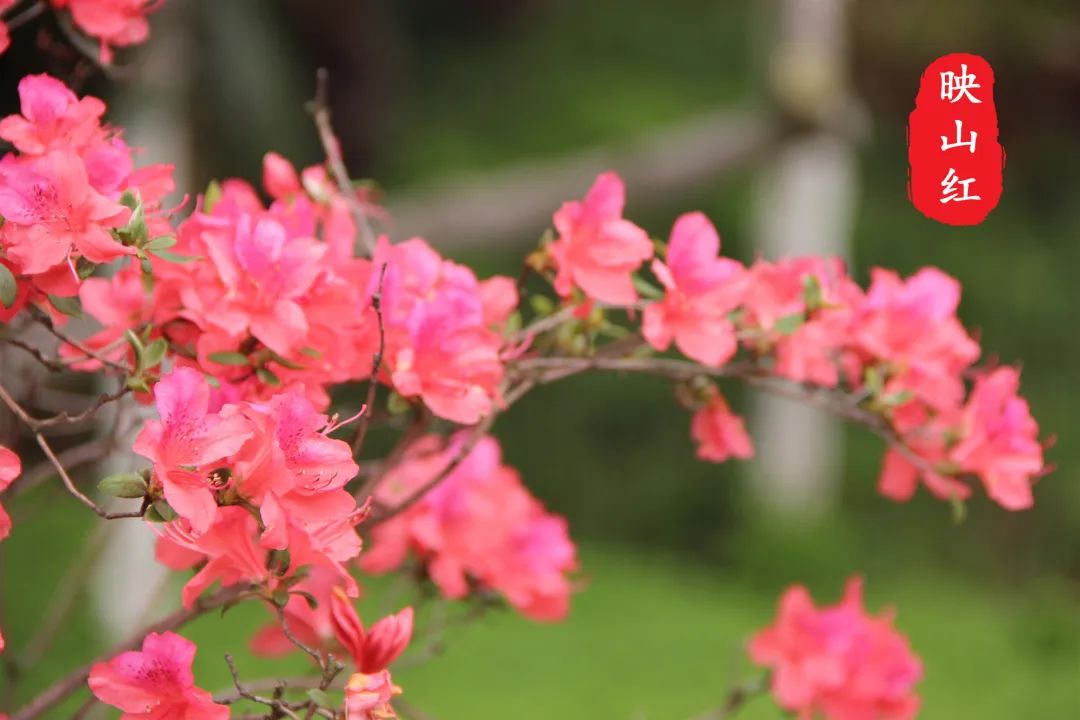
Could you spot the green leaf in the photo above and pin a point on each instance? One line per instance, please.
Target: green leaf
(789, 323)
(647, 289)
(154, 353)
(874, 381)
(229, 358)
(542, 305)
(174, 257)
(8, 287)
(165, 510)
(397, 405)
(312, 602)
(211, 196)
(310, 352)
(129, 200)
(160, 243)
(813, 295)
(123, 485)
(959, 509)
(70, 306)
(286, 362)
(267, 376)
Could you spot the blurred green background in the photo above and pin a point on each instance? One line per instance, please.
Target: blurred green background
(680, 562)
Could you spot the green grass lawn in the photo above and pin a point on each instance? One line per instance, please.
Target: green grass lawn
(655, 637)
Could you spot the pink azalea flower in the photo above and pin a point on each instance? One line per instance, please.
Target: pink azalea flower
(719, 433)
(228, 546)
(701, 289)
(1000, 440)
(597, 250)
(367, 697)
(53, 118)
(439, 345)
(374, 649)
(52, 215)
(155, 683)
(838, 662)
(188, 442)
(10, 468)
(479, 525)
(117, 23)
(912, 326)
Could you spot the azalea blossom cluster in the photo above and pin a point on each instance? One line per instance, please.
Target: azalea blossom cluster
(70, 195)
(838, 662)
(112, 23)
(242, 321)
(478, 526)
(897, 346)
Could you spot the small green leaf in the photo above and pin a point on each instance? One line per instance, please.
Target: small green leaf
(959, 509)
(874, 381)
(396, 404)
(174, 257)
(813, 295)
(211, 196)
(897, 398)
(123, 485)
(789, 323)
(542, 305)
(70, 306)
(8, 287)
(267, 376)
(312, 602)
(647, 289)
(286, 362)
(310, 352)
(154, 353)
(160, 243)
(129, 200)
(229, 358)
(165, 510)
(513, 323)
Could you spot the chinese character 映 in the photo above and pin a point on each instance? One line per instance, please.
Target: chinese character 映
(949, 191)
(970, 144)
(954, 87)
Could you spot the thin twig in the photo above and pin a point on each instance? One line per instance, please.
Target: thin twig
(25, 16)
(736, 698)
(19, 412)
(376, 364)
(320, 111)
(46, 322)
(382, 514)
(275, 703)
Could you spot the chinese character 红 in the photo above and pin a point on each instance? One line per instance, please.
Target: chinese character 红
(970, 144)
(954, 87)
(949, 191)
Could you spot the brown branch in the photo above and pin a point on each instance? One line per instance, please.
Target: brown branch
(544, 370)
(71, 683)
(19, 412)
(382, 514)
(275, 703)
(54, 365)
(46, 322)
(736, 698)
(376, 364)
(320, 111)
